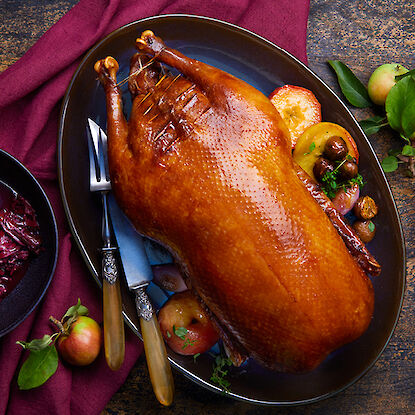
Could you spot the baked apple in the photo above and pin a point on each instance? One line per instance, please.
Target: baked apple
(312, 143)
(185, 326)
(298, 107)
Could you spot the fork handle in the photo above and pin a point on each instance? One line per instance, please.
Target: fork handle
(114, 341)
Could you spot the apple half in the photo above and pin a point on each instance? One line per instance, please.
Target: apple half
(298, 107)
(310, 145)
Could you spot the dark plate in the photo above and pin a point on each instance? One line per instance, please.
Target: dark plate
(265, 66)
(21, 301)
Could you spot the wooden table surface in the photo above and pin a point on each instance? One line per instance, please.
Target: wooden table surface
(363, 35)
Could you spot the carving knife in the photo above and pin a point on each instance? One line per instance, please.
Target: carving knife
(138, 274)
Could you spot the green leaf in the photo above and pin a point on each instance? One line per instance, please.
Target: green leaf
(76, 310)
(311, 148)
(371, 226)
(400, 107)
(180, 332)
(409, 73)
(408, 151)
(389, 164)
(373, 124)
(195, 357)
(394, 152)
(354, 91)
(38, 368)
(37, 344)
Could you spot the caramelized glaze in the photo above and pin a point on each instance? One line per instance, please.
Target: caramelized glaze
(204, 167)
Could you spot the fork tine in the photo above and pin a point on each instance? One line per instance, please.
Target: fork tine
(104, 153)
(100, 179)
(92, 160)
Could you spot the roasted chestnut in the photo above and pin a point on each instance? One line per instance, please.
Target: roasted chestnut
(335, 148)
(348, 170)
(321, 167)
(365, 229)
(365, 208)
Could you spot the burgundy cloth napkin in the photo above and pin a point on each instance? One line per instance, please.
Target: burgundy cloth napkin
(30, 99)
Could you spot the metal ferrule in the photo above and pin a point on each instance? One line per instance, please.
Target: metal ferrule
(109, 265)
(143, 304)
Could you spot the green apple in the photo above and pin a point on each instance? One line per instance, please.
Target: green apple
(382, 80)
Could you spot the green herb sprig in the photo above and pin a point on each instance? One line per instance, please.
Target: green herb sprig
(331, 184)
(220, 371)
(399, 113)
(181, 332)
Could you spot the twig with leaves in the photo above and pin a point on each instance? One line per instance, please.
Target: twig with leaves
(398, 114)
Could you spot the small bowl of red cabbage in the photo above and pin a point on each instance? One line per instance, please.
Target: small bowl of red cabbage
(28, 242)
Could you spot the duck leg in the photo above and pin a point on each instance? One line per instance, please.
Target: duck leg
(107, 73)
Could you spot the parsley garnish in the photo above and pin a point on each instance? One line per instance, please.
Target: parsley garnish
(331, 185)
(220, 371)
(181, 333)
(371, 226)
(311, 148)
(196, 356)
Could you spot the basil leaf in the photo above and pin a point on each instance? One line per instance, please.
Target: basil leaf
(38, 368)
(400, 107)
(354, 91)
(409, 73)
(408, 151)
(371, 226)
(76, 310)
(37, 344)
(389, 164)
(373, 124)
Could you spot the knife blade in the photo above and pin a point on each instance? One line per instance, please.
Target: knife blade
(138, 274)
(134, 258)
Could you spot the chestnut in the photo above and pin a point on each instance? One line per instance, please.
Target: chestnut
(365, 229)
(348, 170)
(335, 148)
(365, 208)
(321, 167)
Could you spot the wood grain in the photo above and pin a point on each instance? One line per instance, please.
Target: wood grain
(363, 35)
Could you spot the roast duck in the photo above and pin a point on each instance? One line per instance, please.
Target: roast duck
(204, 167)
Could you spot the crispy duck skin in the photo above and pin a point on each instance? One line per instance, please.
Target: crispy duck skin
(204, 167)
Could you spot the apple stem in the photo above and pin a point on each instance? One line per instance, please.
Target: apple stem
(58, 324)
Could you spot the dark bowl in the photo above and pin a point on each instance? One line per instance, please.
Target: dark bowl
(21, 301)
(265, 66)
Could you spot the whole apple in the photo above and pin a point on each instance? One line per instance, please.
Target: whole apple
(185, 326)
(81, 346)
(382, 80)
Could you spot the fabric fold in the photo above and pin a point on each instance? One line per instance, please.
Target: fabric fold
(30, 105)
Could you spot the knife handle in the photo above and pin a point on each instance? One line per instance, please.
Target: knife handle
(114, 341)
(156, 355)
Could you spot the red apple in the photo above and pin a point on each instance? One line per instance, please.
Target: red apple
(168, 277)
(185, 326)
(81, 346)
(298, 107)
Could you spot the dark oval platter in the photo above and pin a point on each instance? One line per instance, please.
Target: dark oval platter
(28, 292)
(265, 66)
